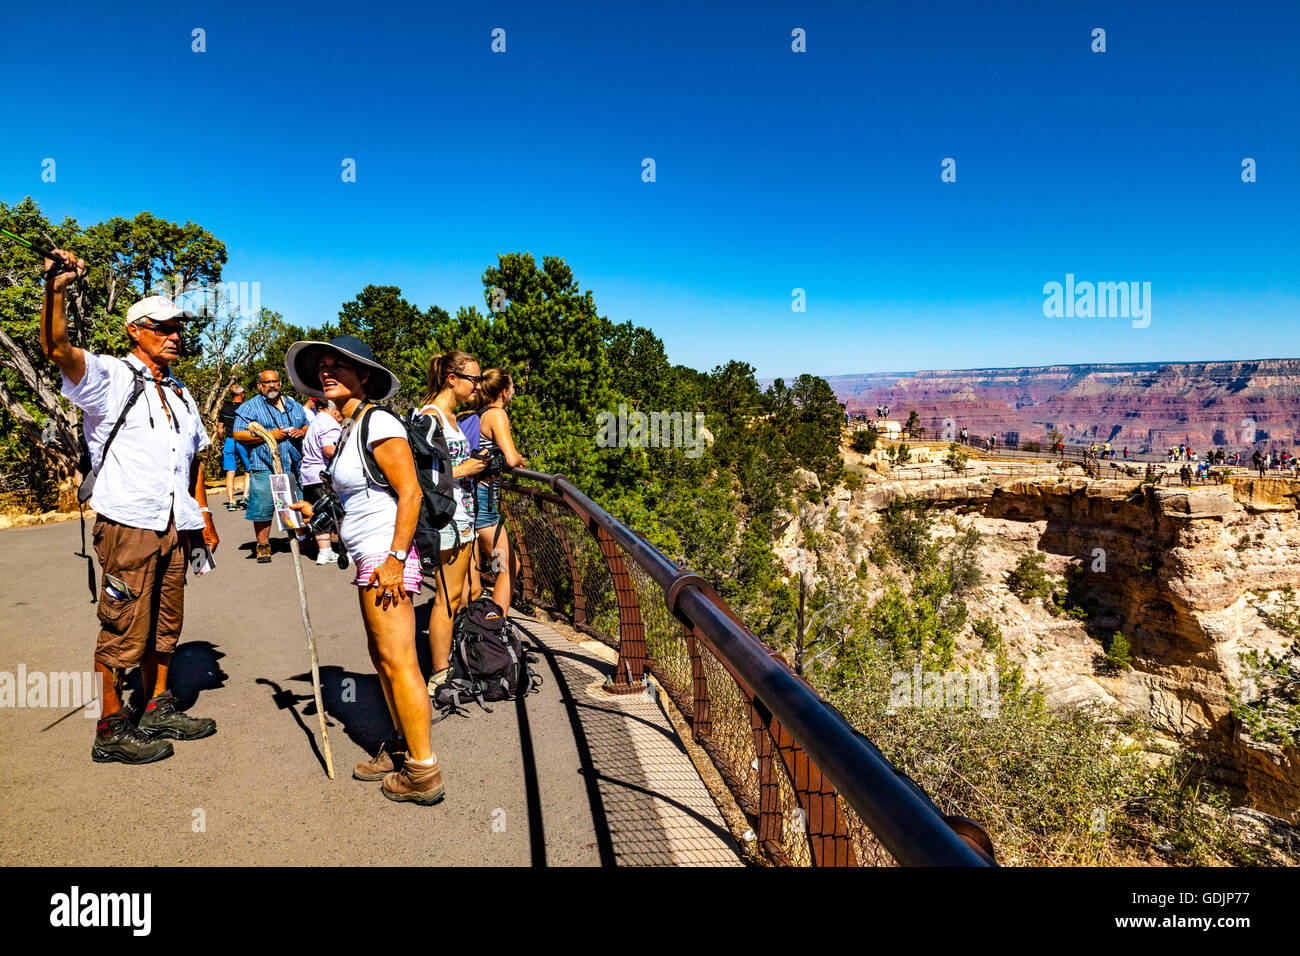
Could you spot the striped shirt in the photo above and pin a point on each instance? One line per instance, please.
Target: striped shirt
(258, 409)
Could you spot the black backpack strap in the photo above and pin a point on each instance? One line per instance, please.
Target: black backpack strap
(368, 463)
(88, 482)
(137, 389)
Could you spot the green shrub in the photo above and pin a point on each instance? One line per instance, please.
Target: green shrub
(864, 441)
(1029, 578)
(956, 458)
(989, 633)
(1117, 652)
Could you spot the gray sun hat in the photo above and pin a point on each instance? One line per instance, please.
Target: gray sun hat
(302, 359)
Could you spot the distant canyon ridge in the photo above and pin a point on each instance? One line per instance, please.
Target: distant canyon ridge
(1147, 406)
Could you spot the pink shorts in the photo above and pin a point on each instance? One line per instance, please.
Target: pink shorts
(411, 577)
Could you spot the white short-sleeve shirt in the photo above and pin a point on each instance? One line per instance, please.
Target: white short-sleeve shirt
(369, 509)
(145, 481)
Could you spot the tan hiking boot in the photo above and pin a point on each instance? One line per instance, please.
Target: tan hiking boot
(391, 756)
(417, 784)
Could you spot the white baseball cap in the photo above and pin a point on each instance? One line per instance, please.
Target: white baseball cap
(156, 308)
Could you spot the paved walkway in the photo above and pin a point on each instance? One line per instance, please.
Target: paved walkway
(571, 776)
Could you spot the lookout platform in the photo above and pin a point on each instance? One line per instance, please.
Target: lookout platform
(571, 776)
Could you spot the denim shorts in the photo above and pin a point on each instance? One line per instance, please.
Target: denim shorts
(455, 534)
(486, 516)
(260, 505)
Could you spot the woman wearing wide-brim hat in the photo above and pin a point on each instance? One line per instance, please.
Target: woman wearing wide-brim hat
(378, 529)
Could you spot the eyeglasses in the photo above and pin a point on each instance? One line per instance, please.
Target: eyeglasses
(473, 378)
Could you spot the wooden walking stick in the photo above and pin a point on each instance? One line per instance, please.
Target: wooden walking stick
(257, 429)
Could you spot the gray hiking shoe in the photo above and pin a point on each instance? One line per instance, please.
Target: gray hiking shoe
(117, 740)
(162, 719)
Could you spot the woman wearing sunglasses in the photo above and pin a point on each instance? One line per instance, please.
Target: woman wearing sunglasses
(378, 528)
(453, 379)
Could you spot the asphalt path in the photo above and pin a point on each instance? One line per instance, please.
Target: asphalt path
(256, 792)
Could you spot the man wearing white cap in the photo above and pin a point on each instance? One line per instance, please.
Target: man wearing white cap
(145, 434)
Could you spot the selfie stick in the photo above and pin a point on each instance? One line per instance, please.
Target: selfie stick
(257, 429)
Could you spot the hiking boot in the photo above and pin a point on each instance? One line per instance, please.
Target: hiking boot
(422, 785)
(116, 739)
(242, 503)
(391, 756)
(263, 554)
(162, 719)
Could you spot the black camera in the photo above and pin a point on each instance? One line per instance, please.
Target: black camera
(495, 460)
(326, 514)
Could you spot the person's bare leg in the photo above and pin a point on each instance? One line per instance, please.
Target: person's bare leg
(153, 672)
(263, 529)
(473, 581)
(230, 487)
(375, 658)
(503, 589)
(455, 566)
(392, 632)
(112, 692)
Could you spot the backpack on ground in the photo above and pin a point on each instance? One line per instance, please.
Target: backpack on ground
(488, 661)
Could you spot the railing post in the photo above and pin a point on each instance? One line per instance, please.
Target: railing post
(770, 822)
(824, 825)
(579, 601)
(629, 678)
(527, 586)
(701, 717)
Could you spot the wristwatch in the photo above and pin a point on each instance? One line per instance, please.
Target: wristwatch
(399, 555)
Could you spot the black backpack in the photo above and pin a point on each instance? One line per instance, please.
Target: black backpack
(432, 467)
(488, 661)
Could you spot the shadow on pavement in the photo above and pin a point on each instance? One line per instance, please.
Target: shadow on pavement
(194, 668)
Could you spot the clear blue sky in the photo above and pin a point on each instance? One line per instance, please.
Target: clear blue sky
(775, 170)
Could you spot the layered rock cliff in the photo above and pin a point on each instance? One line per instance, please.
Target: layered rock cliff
(1237, 405)
(1180, 571)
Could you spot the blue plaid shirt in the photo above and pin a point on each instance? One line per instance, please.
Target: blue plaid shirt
(257, 409)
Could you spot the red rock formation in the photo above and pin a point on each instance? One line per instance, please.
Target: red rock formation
(1146, 406)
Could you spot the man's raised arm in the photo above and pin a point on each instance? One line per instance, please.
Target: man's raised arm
(54, 320)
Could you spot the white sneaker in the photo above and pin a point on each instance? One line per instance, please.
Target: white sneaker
(327, 557)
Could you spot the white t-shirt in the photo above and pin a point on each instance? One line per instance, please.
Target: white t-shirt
(146, 480)
(370, 510)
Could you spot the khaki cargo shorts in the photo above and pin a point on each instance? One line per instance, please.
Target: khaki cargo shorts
(152, 565)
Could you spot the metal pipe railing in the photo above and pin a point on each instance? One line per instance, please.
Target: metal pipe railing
(899, 814)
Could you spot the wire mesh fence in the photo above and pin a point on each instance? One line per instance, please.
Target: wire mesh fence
(563, 570)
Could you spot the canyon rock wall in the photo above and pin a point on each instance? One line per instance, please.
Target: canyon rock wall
(1178, 570)
(1146, 406)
